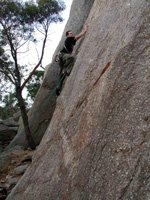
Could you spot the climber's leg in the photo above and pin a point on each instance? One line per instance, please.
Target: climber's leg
(68, 61)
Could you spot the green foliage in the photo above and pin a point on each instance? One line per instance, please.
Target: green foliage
(44, 11)
(46, 7)
(10, 106)
(34, 84)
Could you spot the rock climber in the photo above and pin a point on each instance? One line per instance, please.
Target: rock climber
(66, 59)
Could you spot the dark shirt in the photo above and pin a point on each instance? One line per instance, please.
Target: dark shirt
(68, 45)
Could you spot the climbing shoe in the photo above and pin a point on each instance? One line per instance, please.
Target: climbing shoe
(66, 74)
(57, 92)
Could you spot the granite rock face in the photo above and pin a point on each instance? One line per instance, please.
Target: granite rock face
(97, 146)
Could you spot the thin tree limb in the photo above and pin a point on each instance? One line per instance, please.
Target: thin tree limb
(39, 63)
(8, 76)
(11, 74)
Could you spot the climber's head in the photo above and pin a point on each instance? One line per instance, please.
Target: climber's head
(69, 33)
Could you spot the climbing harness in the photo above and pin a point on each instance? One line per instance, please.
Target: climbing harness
(59, 55)
(66, 48)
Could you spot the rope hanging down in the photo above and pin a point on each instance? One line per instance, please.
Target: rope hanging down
(35, 116)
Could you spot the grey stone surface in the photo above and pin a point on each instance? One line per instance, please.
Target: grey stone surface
(97, 146)
(28, 157)
(4, 164)
(16, 116)
(12, 180)
(9, 123)
(19, 170)
(8, 129)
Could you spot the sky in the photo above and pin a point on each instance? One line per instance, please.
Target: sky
(55, 34)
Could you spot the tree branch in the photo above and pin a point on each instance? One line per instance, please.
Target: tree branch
(11, 74)
(8, 76)
(22, 43)
(13, 52)
(39, 63)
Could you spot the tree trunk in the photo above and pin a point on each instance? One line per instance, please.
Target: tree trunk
(28, 134)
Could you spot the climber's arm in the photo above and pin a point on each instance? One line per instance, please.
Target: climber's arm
(82, 33)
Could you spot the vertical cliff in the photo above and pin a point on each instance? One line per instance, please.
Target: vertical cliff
(97, 145)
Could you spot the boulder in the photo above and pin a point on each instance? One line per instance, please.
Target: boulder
(19, 170)
(16, 116)
(8, 129)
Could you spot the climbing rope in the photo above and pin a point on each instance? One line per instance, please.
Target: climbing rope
(35, 116)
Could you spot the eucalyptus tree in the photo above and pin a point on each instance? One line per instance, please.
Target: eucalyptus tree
(19, 21)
